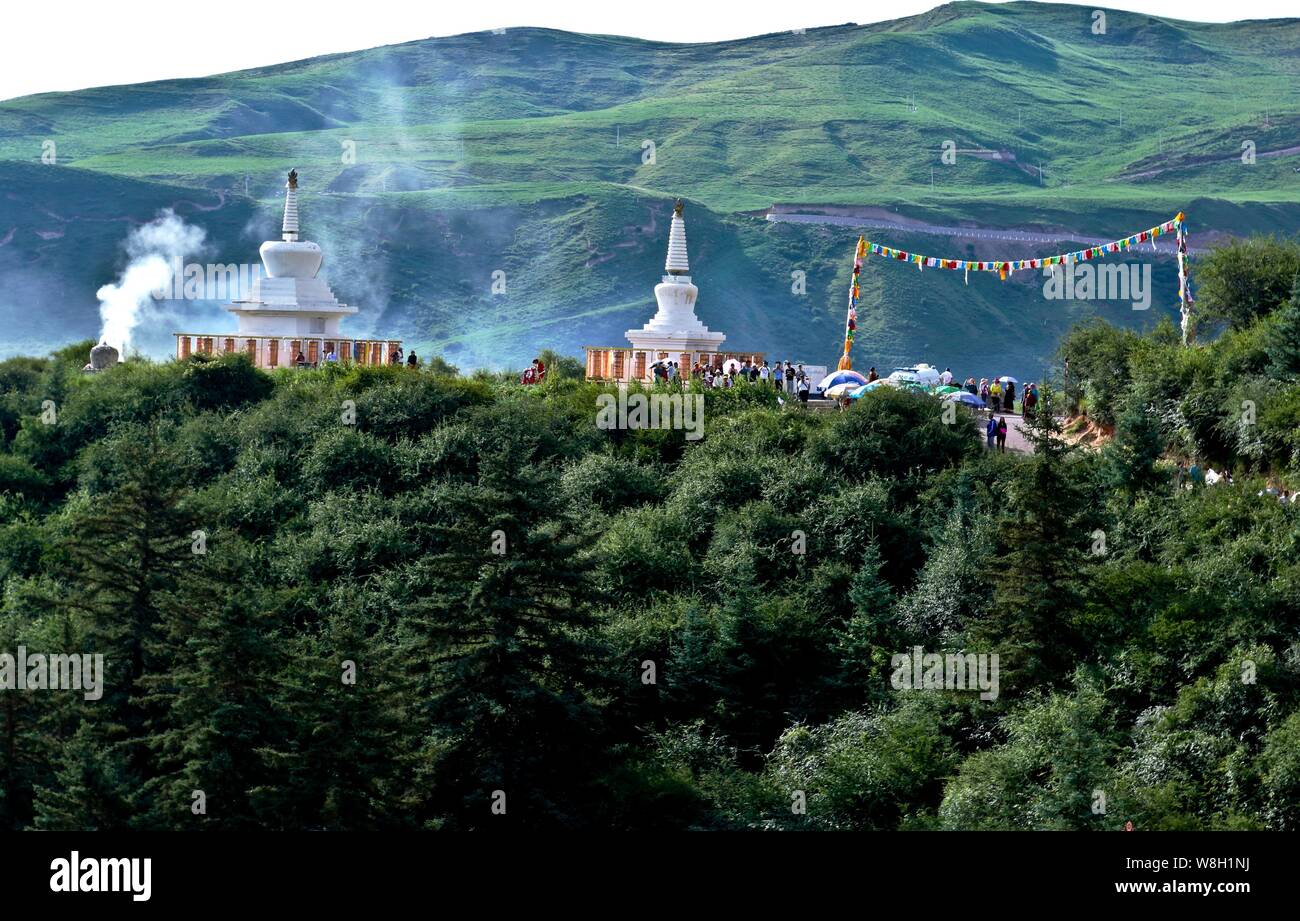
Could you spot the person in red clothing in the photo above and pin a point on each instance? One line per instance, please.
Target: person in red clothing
(534, 373)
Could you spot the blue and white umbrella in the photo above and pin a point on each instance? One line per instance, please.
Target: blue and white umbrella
(840, 377)
(967, 398)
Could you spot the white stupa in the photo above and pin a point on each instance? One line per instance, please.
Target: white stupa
(288, 299)
(675, 328)
(290, 317)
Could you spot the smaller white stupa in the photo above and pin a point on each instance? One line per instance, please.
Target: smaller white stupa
(675, 328)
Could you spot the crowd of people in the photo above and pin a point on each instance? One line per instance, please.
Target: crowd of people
(1000, 394)
(786, 377)
(331, 357)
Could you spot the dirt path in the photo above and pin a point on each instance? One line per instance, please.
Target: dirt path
(1016, 440)
(221, 203)
(1199, 161)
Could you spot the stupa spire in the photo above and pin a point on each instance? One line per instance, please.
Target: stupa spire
(290, 227)
(675, 328)
(677, 263)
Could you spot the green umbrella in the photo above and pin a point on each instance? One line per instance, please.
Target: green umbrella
(948, 389)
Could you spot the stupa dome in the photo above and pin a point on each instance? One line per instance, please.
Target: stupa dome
(291, 259)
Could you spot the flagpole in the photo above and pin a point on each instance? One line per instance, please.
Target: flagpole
(851, 322)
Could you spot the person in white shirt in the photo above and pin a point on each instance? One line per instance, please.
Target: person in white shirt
(946, 377)
(763, 372)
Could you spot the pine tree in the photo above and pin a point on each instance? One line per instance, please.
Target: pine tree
(92, 789)
(29, 730)
(504, 652)
(1283, 344)
(951, 589)
(746, 704)
(1130, 458)
(344, 762)
(123, 560)
(1039, 576)
(870, 635)
(125, 555)
(214, 704)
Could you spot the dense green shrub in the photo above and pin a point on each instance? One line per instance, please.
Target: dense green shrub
(632, 629)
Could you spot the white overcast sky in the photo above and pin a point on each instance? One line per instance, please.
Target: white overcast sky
(72, 44)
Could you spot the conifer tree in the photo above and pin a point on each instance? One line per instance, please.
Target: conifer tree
(744, 702)
(123, 559)
(125, 555)
(1131, 457)
(1284, 338)
(870, 634)
(93, 787)
(503, 651)
(214, 705)
(691, 676)
(1044, 535)
(344, 762)
(29, 734)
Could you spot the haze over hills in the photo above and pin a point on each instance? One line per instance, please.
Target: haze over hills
(525, 152)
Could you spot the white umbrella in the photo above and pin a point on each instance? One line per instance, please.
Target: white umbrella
(1008, 379)
(841, 390)
(730, 365)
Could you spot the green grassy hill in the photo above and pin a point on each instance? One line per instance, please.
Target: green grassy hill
(523, 152)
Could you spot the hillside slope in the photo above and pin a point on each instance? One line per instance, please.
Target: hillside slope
(428, 166)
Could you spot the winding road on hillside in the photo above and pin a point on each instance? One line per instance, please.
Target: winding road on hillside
(970, 233)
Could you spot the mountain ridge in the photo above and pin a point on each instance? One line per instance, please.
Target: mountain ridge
(499, 140)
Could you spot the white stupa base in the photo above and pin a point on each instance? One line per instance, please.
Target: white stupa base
(285, 323)
(675, 344)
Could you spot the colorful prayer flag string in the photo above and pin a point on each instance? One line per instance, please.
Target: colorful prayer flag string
(1004, 267)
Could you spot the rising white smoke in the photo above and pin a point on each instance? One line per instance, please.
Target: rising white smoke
(153, 251)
